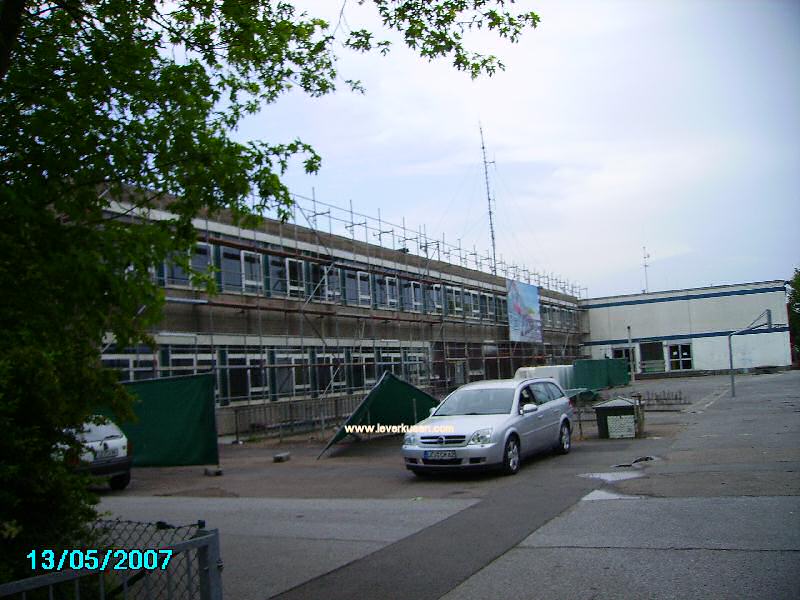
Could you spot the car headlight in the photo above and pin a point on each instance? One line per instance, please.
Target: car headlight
(482, 436)
(409, 439)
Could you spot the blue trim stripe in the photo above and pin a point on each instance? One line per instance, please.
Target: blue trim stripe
(686, 336)
(685, 297)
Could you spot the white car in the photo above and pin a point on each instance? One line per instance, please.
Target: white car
(106, 453)
(491, 424)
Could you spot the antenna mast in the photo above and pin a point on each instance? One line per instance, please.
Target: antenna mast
(489, 200)
(645, 264)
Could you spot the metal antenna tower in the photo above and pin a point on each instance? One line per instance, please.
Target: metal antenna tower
(489, 200)
(645, 264)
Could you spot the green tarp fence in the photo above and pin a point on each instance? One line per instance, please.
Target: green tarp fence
(176, 424)
(391, 402)
(602, 373)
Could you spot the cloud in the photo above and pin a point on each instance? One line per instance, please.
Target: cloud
(615, 126)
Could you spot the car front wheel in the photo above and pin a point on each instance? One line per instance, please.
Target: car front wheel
(511, 457)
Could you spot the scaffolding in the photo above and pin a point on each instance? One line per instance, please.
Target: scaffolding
(313, 317)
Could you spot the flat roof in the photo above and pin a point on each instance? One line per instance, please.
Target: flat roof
(775, 282)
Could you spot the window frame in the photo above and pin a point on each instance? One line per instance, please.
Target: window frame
(416, 298)
(295, 291)
(364, 299)
(390, 301)
(252, 286)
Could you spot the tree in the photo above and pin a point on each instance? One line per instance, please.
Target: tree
(794, 314)
(106, 100)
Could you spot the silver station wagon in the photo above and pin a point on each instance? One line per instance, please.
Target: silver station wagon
(491, 424)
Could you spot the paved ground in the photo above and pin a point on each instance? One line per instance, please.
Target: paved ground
(273, 544)
(715, 515)
(718, 516)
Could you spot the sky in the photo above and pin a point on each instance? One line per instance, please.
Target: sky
(672, 125)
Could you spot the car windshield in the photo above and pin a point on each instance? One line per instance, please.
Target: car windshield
(486, 401)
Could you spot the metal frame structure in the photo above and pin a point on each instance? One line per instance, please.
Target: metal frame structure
(287, 326)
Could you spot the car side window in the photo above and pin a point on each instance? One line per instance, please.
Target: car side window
(555, 391)
(525, 397)
(540, 395)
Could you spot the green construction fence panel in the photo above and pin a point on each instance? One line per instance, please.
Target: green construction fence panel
(391, 401)
(175, 422)
(602, 373)
(618, 372)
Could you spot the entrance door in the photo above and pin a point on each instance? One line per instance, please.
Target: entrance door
(652, 357)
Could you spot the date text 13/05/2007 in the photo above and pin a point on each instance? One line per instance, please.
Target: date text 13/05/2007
(99, 560)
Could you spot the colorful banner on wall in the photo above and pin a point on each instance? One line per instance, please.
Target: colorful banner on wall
(524, 313)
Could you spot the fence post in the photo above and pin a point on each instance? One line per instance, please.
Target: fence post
(210, 567)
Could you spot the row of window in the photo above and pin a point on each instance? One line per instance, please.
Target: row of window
(244, 373)
(680, 355)
(255, 273)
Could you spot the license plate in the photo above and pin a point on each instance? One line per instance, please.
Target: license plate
(110, 453)
(439, 454)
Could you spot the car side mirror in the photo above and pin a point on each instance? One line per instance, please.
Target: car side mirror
(529, 408)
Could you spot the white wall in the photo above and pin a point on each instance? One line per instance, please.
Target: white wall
(764, 349)
(695, 316)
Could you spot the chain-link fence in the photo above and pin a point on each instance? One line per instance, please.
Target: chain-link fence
(132, 561)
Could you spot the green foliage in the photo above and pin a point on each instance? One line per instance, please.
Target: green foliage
(109, 101)
(794, 314)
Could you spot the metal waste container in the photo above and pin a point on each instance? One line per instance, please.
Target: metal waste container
(616, 418)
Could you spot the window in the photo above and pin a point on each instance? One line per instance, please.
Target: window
(434, 298)
(487, 306)
(502, 310)
(237, 378)
(284, 377)
(467, 303)
(296, 284)
(416, 296)
(201, 257)
(231, 269)
(364, 291)
(454, 302)
(331, 373)
(416, 366)
(362, 370)
(624, 353)
(333, 285)
(540, 395)
(555, 391)
(680, 357)
(277, 276)
(474, 308)
(380, 291)
(121, 365)
(252, 272)
(351, 287)
(291, 373)
(301, 378)
(258, 376)
(525, 397)
(392, 292)
(572, 319)
(200, 260)
(323, 282)
(391, 360)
